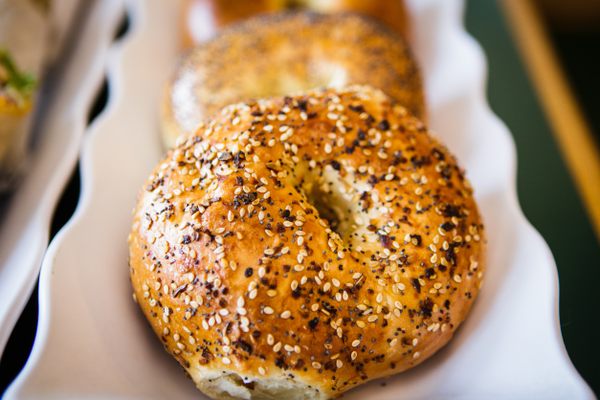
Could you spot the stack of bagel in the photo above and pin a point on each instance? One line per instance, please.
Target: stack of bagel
(305, 233)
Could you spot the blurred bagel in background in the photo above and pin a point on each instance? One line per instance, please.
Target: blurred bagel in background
(285, 53)
(203, 18)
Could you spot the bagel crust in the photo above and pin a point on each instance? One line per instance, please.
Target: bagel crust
(297, 247)
(284, 53)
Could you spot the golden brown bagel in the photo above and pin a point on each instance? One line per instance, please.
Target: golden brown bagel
(300, 246)
(285, 53)
(203, 18)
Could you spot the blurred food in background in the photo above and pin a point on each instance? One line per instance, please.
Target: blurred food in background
(32, 33)
(203, 18)
(285, 53)
(23, 41)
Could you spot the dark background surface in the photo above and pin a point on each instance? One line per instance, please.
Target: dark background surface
(546, 191)
(580, 53)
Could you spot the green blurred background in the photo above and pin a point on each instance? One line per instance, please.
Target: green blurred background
(546, 190)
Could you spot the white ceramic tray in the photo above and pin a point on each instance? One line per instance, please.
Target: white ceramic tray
(93, 342)
(25, 225)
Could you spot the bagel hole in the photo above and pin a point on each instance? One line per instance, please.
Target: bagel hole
(295, 4)
(327, 196)
(322, 202)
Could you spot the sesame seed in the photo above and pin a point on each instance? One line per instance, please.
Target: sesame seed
(268, 310)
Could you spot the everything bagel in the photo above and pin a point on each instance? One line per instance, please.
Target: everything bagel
(284, 53)
(299, 246)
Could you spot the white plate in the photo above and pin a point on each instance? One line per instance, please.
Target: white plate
(26, 224)
(92, 340)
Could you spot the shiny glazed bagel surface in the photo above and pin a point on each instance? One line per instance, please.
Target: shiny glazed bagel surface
(297, 247)
(285, 53)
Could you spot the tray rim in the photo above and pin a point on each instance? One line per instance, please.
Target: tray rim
(31, 206)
